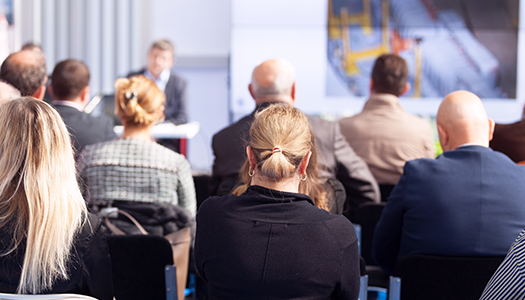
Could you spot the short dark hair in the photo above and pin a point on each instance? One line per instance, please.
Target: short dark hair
(163, 45)
(390, 74)
(69, 78)
(25, 75)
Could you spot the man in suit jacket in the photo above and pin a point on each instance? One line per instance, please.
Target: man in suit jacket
(70, 89)
(384, 134)
(274, 81)
(161, 59)
(470, 201)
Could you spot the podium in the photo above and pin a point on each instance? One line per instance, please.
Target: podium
(168, 130)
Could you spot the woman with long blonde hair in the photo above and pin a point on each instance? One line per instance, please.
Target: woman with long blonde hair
(271, 241)
(49, 243)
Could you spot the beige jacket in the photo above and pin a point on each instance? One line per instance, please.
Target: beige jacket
(386, 136)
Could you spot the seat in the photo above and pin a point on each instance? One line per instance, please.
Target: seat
(142, 267)
(433, 277)
(367, 215)
(45, 297)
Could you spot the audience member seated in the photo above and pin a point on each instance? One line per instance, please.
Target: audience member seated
(50, 244)
(273, 81)
(271, 242)
(466, 202)
(26, 71)
(161, 59)
(509, 280)
(509, 139)
(70, 90)
(384, 134)
(8, 93)
(134, 168)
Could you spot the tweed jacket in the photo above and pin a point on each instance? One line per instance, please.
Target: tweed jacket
(135, 170)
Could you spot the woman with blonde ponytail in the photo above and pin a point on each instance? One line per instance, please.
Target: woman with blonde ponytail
(134, 170)
(49, 243)
(271, 241)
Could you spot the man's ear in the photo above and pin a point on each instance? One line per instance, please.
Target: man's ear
(251, 91)
(51, 92)
(40, 92)
(405, 89)
(84, 94)
(293, 92)
(443, 137)
(491, 129)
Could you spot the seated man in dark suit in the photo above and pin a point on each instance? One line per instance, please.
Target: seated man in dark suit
(70, 90)
(510, 139)
(161, 59)
(470, 201)
(274, 81)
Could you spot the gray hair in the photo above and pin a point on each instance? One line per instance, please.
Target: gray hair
(8, 92)
(282, 84)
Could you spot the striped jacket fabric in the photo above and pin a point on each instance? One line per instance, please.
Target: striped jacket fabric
(509, 280)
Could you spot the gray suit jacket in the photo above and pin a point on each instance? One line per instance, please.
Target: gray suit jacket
(335, 159)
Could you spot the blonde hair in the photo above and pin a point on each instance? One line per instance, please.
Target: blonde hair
(285, 127)
(40, 200)
(138, 100)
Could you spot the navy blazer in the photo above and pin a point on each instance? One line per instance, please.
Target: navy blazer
(467, 202)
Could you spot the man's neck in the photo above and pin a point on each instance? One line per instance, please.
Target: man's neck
(75, 103)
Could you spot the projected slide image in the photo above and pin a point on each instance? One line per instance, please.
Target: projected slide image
(448, 45)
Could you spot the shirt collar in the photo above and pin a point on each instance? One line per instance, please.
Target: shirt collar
(162, 80)
(75, 105)
(381, 100)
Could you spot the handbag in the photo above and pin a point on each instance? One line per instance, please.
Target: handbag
(179, 240)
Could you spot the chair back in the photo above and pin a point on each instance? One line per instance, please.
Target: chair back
(432, 277)
(367, 215)
(138, 263)
(45, 297)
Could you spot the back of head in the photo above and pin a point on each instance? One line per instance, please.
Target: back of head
(25, 70)
(138, 101)
(8, 92)
(272, 79)
(462, 119)
(286, 128)
(390, 74)
(164, 45)
(283, 127)
(40, 201)
(69, 78)
(31, 47)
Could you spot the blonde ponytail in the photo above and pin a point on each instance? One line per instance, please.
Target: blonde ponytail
(280, 138)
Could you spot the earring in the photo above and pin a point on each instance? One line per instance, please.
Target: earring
(303, 177)
(251, 173)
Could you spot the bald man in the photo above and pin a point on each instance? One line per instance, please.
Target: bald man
(26, 71)
(469, 201)
(273, 81)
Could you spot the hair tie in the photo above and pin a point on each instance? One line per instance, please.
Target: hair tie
(131, 95)
(277, 149)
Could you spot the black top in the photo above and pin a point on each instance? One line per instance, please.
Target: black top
(268, 244)
(89, 267)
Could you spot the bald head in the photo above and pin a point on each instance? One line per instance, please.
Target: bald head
(461, 119)
(273, 80)
(26, 71)
(7, 93)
